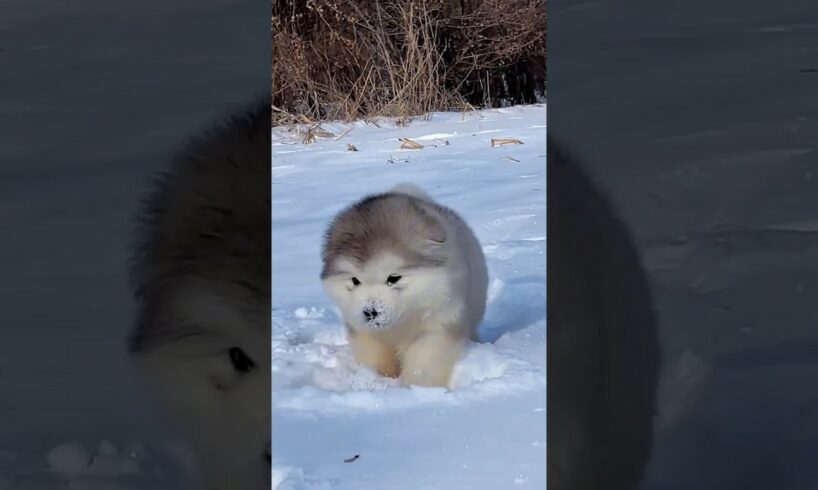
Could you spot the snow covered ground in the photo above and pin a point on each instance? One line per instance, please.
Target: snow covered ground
(488, 432)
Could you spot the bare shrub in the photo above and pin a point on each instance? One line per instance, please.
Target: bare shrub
(495, 50)
(349, 59)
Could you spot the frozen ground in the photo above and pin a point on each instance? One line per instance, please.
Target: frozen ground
(489, 431)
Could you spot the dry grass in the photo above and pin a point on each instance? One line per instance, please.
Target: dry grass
(352, 59)
(407, 144)
(505, 141)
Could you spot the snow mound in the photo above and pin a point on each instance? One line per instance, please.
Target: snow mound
(314, 371)
(75, 465)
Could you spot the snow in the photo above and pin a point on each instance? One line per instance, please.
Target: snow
(75, 465)
(489, 430)
(69, 459)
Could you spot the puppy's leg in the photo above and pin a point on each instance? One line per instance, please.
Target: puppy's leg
(430, 359)
(371, 352)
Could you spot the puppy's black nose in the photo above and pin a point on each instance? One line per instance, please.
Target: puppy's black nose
(370, 313)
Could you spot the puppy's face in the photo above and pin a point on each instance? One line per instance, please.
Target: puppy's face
(208, 367)
(384, 291)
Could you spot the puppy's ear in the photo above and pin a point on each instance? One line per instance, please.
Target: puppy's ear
(430, 227)
(434, 231)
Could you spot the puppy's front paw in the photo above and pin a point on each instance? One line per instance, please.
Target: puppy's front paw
(370, 352)
(430, 360)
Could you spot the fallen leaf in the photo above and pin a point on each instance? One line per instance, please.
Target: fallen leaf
(505, 141)
(407, 144)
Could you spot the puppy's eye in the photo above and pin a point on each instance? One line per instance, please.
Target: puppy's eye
(355, 281)
(241, 361)
(393, 279)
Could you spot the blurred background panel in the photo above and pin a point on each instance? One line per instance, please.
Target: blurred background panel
(701, 120)
(94, 98)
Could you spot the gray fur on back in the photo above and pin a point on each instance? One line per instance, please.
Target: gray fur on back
(207, 222)
(412, 190)
(391, 221)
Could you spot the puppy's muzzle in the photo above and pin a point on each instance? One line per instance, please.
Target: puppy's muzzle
(375, 314)
(370, 313)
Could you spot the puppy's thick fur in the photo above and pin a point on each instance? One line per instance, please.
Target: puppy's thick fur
(603, 352)
(410, 279)
(201, 277)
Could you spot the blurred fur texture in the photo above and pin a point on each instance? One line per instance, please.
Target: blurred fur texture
(410, 279)
(201, 278)
(603, 350)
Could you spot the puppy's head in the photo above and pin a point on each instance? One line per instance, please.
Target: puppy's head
(384, 261)
(201, 277)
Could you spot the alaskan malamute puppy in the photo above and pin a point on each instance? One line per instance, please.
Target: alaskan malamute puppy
(201, 277)
(603, 349)
(410, 279)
